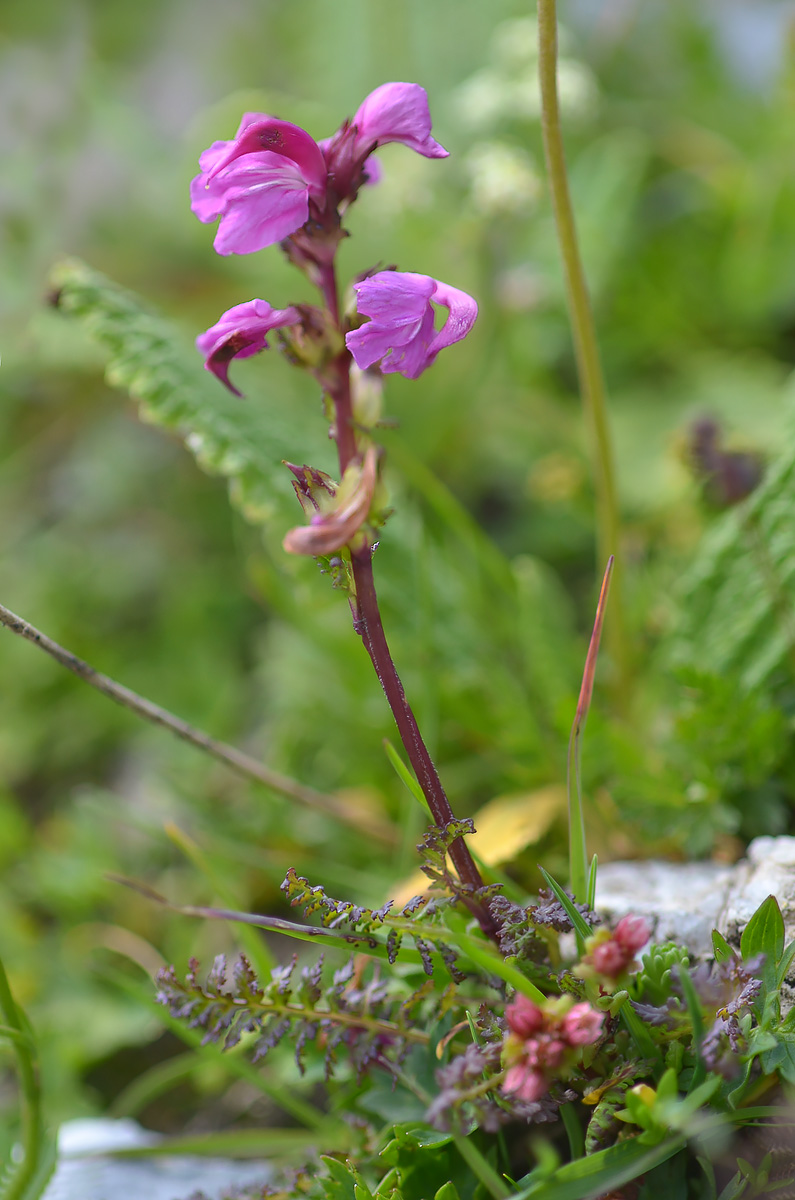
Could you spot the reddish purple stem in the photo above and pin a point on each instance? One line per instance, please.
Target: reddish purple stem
(367, 623)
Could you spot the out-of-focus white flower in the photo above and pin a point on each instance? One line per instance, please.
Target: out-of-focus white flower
(482, 99)
(514, 43)
(503, 178)
(509, 89)
(521, 288)
(578, 91)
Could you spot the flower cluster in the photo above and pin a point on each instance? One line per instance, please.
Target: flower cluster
(609, 956)
(274, 183)
(544, 1043)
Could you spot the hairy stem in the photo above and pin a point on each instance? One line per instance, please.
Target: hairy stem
(371, 630)
(586, 348)
(367, 622)
(242, 763)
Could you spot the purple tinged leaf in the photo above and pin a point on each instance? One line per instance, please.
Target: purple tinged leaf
(425, 954)
(393, 945)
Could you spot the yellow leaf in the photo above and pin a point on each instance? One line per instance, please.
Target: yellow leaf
(504, 826)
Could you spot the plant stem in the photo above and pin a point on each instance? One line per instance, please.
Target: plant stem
(578, 856)
(368, 624)
(586, 349)
(242, 763)
(371, 630)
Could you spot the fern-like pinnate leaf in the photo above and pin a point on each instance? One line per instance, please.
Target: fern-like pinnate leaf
(419, 918)
(736, 614)
(372, 1021)
(154, 362)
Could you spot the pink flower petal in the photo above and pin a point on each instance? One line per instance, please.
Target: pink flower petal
(400, 333)
(239, 333)
(525, 1083)
(632, 933)
(397, 112)
(463, 314)
(610, 959)
(259, 184)
(582, 1025)
(259, 132)
(524, 1017)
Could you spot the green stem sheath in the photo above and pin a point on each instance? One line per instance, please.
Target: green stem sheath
(586, 349)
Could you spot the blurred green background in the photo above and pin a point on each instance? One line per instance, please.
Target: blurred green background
(679, 128)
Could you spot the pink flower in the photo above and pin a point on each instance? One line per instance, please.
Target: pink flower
(260, 184)
(241, 332)
(543, 1042)
(525, 1082)
(394, 112)
(608, 958)
(612, 954)
(400, 334)
(524, 1018)
(632, 933)
(582, 1025)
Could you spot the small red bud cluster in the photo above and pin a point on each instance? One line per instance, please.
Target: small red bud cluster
(543, 1042)
(611, 955)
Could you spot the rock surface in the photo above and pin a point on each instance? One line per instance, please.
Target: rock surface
(684, 902)
(681, 901)
(85, 1173)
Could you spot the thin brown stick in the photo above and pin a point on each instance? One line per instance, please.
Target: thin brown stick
(242, 763)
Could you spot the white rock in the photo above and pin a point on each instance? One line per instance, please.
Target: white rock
(84, 1172)
(681, 901)
(768, 870)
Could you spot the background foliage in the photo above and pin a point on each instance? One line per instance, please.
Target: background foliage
(116, 543)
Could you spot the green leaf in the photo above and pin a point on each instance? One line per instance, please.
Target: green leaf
(486, 956)
(697, 1020)
(603, 1171)
(780, 1059)
(244, 440)
(581, 926)
(720, 947)
(339, 1184)
(591, 894)
(735, 1188)
(448, 1191)
(764, 933)
(735, 614)
(405, 775)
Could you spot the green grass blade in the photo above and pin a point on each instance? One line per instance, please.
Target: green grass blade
(603, 1171)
